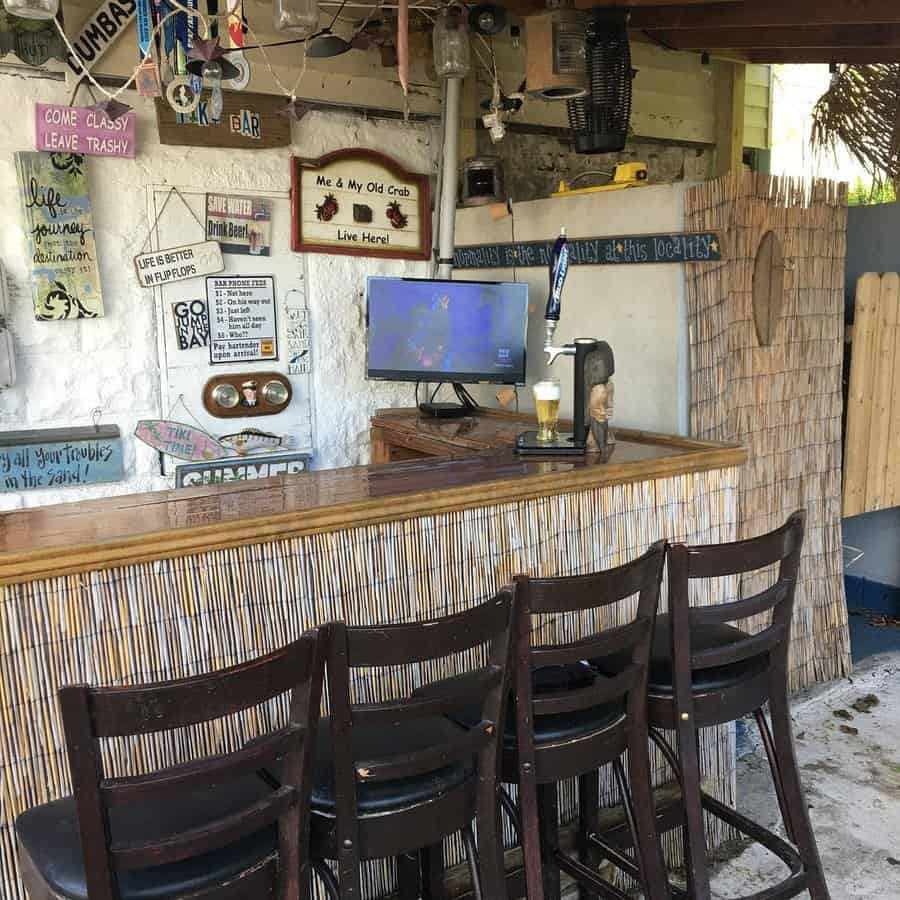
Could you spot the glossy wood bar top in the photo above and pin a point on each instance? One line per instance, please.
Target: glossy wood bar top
(85, 536)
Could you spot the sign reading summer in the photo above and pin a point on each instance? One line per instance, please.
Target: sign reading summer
(59, 457)
(596, 251)
(59, 229)
(362, 203)
(83, 129)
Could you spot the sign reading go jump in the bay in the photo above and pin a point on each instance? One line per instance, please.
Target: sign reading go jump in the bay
(59, 231)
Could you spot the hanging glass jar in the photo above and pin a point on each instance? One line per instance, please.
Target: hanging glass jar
(32, 9)
(451, 42)
(299, 17)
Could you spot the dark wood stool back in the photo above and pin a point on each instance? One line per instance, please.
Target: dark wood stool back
(718, 673)
(92, 713)
(483, 688)
(781, 547)
(619, 704)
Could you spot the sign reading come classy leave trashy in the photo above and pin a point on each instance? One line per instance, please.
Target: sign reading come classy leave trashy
(83, 129)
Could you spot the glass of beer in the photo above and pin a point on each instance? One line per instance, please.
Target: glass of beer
(546, 404)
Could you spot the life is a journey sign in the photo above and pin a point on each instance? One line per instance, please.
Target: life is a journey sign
(83, 129)
(178, 263)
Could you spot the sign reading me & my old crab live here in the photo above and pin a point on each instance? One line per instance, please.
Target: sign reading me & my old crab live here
(361, 203)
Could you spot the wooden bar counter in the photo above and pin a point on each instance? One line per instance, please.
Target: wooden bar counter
(160, 585)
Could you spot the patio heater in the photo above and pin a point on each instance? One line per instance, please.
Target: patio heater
(599, 120)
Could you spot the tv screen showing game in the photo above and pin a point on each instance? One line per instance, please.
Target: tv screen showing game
(456, 331)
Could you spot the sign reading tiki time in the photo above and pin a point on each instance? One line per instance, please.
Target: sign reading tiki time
(595, 251)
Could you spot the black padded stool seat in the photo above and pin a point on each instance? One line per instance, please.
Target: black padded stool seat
(547, 729)
(703, 637)
(374, 742)
(49, 834)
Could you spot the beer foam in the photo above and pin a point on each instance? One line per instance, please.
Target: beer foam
(546, 390)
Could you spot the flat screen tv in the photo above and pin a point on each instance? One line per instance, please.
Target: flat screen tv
(466, 332)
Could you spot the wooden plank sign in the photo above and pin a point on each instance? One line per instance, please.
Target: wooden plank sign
(59, 228)
(360, 203)
(249, 122)
(60, 457)
(178, 263)
(595, 251)
(178, 440)
(82, 129)
(99, 32)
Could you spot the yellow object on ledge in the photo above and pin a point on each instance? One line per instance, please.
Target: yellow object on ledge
(625, 175)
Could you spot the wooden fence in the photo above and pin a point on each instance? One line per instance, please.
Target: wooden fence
(871, 455)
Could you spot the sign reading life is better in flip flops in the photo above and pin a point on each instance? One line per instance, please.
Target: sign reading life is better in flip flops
(361, 203)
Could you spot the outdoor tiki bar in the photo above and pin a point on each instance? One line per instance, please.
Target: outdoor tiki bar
(447, 450)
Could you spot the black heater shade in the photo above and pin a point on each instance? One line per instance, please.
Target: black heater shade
(599, 121)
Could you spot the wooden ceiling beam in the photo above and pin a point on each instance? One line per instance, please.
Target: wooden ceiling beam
(827, 36)
(787, 55)
(765, 14)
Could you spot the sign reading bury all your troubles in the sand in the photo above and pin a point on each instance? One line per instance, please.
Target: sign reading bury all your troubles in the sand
(59, 228)
(361, 203)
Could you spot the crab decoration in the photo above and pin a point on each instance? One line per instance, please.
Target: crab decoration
(327, 209)
(396, 215)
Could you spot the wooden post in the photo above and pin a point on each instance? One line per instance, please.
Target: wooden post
(731, 83)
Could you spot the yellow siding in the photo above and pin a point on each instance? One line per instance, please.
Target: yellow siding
(758, 108)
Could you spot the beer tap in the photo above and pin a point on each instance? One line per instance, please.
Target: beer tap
(590, 355)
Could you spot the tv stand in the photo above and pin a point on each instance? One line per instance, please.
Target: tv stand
(466, 407)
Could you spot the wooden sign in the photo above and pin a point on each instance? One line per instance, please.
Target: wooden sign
(249, 122)
(65, 281)
(361, 203)
(60, 457)
(178, 440)
(596, 251)
(242, 394)
(83, 129)
(178, 263)
(247, 468)
(99, 32)
(242, 326)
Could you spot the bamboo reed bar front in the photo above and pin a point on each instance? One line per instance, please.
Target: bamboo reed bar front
(158, 586)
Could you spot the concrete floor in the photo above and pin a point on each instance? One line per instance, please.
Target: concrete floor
(852, 783)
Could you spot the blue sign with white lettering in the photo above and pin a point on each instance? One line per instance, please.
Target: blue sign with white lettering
(59, 457)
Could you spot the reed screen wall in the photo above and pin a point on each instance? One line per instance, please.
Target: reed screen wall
(782, 401)
(183, 616)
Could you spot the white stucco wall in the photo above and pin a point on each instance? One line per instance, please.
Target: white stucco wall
(66, 369)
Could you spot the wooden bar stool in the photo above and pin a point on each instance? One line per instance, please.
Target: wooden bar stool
(394, 778)
(706, 672)
(210, 828)
(569, 721)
